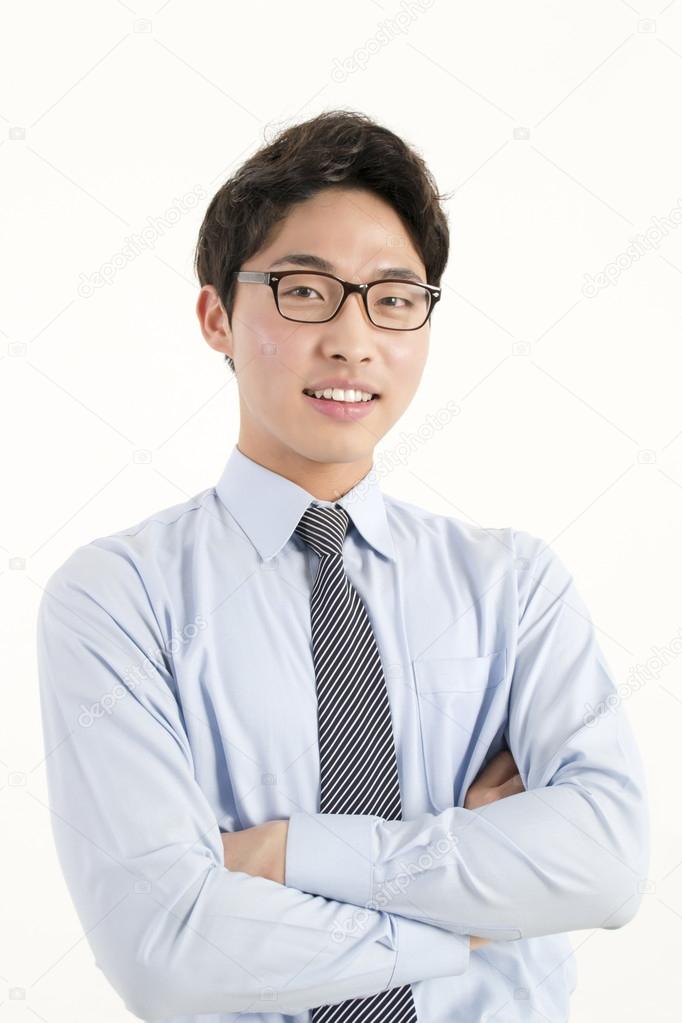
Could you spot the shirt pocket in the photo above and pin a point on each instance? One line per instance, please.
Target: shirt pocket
(461, 705)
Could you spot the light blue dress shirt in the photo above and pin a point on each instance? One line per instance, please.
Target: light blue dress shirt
(178, 700)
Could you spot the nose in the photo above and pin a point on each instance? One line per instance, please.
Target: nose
(350, 334)
(355, 298)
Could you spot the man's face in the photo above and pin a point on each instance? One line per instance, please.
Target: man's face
(276, 359)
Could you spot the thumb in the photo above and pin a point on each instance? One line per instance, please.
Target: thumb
(511, 787)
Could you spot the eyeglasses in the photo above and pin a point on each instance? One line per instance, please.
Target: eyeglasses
(390, 303)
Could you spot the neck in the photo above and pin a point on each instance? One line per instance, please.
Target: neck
(327, 481)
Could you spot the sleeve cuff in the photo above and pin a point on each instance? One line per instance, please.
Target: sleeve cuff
(330, 854)
(425, 952)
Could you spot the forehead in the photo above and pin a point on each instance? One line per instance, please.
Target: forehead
(349, 230)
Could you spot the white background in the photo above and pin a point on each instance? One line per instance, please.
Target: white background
(557, 127)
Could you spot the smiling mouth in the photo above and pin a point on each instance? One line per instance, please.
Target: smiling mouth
(341, 401)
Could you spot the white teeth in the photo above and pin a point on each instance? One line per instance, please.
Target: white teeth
(340, 395)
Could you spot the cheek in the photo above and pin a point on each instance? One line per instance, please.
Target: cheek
(406, 365)
(263, 346)
(272, 375)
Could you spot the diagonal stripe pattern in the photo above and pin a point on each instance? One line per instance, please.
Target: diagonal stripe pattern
(358, 766)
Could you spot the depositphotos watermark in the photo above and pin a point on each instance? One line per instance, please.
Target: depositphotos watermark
(390, 458)
(638, 676)
(639, 246)
(139, 242)
(354, 923)
(136, 674)
(388, 29)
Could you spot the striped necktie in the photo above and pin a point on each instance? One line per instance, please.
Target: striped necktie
(358, 766)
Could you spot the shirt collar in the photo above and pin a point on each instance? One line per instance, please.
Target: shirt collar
(268, 507)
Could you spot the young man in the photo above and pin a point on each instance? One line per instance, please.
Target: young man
(316, 753)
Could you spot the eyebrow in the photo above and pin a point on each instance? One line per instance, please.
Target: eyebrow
(318, 263)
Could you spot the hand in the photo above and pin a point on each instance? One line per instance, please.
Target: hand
(259, 851)
(498, 779)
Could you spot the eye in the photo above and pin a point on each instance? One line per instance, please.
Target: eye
(301, 287)
(393, 298)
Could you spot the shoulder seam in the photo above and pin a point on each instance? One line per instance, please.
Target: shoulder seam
(135, 530)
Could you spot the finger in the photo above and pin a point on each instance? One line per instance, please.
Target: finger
(499, 770)
(475, 797)
(511, 787)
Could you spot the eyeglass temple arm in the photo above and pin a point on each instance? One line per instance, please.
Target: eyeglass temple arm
(252, 276)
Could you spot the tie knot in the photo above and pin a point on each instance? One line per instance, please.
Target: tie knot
(323, 528)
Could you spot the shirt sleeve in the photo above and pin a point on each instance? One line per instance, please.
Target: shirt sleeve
(173, 930)
(569, 853)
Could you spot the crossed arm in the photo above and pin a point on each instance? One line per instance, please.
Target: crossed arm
(177, 934)
(568, 851)
(261, 850)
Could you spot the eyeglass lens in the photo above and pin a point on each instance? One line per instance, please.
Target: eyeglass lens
(310, 298)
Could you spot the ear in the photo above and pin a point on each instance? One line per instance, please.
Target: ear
(213, 321)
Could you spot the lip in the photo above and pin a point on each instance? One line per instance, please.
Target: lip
(348, 411)
(343, 385)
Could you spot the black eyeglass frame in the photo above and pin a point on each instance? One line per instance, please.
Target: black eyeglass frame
(272, 279)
